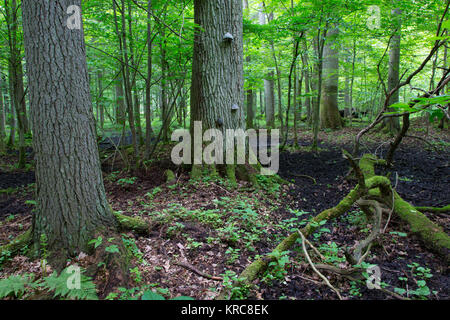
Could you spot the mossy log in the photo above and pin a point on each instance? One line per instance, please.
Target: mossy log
(13, 247)
(138, 225)
(432, 235)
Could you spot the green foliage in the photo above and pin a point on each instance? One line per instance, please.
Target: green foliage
(237, 288)
(61, 285)
(96, 242)
(277, 267)
(126, 182)
(15, 285)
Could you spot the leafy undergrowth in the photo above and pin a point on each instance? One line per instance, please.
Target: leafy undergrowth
(219, 230)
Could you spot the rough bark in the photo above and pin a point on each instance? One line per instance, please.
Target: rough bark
(71, 201)
(217, 71)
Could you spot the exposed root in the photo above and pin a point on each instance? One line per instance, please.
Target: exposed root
(358, 256)
(445, 209)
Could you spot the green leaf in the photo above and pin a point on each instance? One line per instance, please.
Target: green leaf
(60, 285)
(183, 298)
(150, 295)
(14, 284)
(399, 291)
(112, 249)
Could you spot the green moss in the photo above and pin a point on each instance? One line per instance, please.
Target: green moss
(132, 223)
(170, 176)
(231, 174)
(432, 235)
(434, 209)
(17, 244)
(196, 172)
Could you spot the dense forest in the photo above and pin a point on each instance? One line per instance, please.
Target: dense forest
(224, 150)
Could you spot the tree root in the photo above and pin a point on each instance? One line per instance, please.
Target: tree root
(445, 209)
(358, 255)
(314, 267)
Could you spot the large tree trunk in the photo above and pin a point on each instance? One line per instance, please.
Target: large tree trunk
(217, 70)
(71, 200)
(329, 112)
(393, 123)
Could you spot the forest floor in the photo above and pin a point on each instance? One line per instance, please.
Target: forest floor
(220, 230)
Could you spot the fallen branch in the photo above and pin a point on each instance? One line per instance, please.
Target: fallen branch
(303, 176)
(198, 272)
(314, 268)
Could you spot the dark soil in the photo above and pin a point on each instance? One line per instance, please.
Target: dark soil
(423, 181)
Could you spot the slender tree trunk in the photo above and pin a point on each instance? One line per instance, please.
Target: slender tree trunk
(137, 108)
(307, 77)
(2, 117)
(15, 78)
(269, 88)
(100, 106)
(12, 111)
(329, 112)
(393, 123)
(123, 47)
(120, 103)
(165, 114)
(71, 199)
(148, 97)
(250, 109)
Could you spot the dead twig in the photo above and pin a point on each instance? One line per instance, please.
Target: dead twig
(314, 267)
(198, 272)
